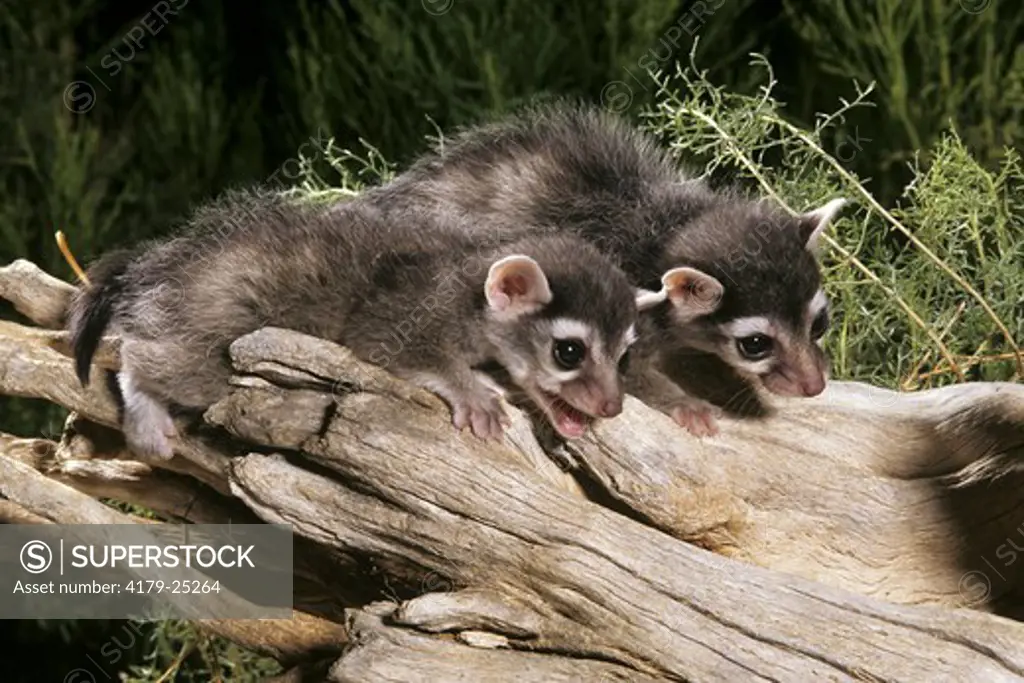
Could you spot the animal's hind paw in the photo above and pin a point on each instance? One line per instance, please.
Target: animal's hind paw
(149, 441)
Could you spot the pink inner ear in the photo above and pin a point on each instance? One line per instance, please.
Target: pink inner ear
(689, 289)
(514, 285)
(507, 287)
(700, 290)
(680, 285)
(499, 301)
(517, 281)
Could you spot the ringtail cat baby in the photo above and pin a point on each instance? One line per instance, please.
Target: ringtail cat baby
(548, 308)
(736, 277)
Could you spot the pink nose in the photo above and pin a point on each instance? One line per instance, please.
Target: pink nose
(611, 408)
(812, 386)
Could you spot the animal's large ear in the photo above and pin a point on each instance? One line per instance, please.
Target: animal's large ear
(692, 292)
(813, 223)
(515, 286)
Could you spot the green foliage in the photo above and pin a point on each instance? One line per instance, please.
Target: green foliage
(181, 652)
(400, 67)
(105, 175)
(54, 169)
(934, 63)
(926, 290)
(929, 157)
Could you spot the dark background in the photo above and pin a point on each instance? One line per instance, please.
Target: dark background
(116, 121)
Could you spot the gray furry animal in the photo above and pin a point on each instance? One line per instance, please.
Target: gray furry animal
(737, 278)
(421, 297)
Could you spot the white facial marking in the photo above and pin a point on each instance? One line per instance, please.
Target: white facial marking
(629, 339)
(758, 367)
(818, 303)
(570, 328)
(744, 327)
(552, 383)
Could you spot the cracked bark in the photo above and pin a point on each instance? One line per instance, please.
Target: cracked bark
(830, 539)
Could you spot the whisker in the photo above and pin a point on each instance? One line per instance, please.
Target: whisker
(741, 394)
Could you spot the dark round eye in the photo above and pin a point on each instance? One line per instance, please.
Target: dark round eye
(755, 347)
(569, 353)
(820, 325)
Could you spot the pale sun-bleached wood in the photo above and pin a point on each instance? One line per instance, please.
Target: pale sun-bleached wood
(848, 500)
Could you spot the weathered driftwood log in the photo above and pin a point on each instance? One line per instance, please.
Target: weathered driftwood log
(30, 498)
(871, 513)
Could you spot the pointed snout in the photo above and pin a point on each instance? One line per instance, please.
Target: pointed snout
(801, 372)
(611, 407)
(597, 395)
(606, 394)
(794, 384)
(813, 385)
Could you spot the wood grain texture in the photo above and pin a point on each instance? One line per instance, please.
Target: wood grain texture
(834, 538)
(35, 294)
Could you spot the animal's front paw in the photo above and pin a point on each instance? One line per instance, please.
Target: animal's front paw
(482, 413)
(697, 416)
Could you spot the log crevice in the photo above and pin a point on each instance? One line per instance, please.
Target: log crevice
(829, 538)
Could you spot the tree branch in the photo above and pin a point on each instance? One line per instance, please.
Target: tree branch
(865, 509)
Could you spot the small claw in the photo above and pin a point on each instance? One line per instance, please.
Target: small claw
(460, 416)
(481, 424)
(496, 420)
(503, 423)
(698, 419)
(485, 418)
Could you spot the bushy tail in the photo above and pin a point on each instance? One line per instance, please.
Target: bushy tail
(92, 308)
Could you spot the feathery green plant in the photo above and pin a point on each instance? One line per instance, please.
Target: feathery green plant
(927, 292)
(934, 63)
(174, 130)
(181, 652)
(400, 67)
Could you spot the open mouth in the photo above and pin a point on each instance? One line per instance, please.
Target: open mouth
(567, 421)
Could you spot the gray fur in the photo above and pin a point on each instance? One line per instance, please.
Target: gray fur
(405, 294)
(580, 170)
